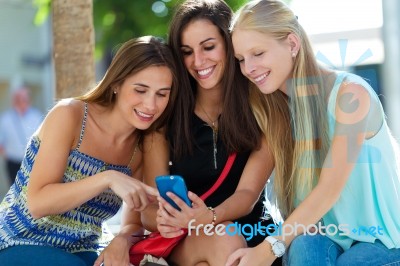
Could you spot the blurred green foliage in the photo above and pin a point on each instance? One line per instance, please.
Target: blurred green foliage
(116, 21)
(119, 20)
(43, 10)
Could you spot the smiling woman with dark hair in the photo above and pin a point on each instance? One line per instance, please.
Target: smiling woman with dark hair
(212, 119)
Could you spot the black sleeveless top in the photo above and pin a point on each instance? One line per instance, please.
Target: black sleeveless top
(199, 172)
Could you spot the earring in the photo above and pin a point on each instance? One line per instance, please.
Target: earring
(115, 92)
(293, 54)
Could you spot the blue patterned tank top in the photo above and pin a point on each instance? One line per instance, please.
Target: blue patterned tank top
(80, 229)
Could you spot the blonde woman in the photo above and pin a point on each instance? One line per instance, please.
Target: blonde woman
(336, 167)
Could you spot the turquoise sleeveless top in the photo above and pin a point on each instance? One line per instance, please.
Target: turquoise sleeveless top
(80, 229)
(369, 205)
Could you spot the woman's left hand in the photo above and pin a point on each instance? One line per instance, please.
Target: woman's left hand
(168, 215)
(260, 255)
(116, 253)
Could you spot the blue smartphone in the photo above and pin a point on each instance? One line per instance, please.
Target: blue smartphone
(174, 184)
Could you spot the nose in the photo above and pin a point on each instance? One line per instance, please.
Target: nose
(149, 102)
(249, 67)
(198, 59)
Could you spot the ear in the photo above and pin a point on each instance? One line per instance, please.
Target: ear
(115, 88)
(294, 43)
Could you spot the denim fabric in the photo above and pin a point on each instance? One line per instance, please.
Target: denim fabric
(43, 256)
(320, 250)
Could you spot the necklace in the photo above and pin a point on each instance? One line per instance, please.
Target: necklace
(214, 128)
(213, 123)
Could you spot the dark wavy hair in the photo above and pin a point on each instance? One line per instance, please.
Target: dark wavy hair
(237, 126)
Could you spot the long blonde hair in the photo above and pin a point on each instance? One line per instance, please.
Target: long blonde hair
(295, 126)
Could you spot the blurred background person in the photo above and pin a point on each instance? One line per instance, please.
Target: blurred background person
(17, 124)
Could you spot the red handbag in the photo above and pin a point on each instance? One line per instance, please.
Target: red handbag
(159, 246)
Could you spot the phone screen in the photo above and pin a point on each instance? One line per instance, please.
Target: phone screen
(174, 184)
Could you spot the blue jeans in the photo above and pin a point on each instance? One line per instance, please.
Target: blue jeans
(320, 250)
(43, 256)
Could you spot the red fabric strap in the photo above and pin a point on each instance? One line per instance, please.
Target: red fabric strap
(222, 176)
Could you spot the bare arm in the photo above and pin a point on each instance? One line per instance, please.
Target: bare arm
(117, 252)
(47, 194)
(155, 163)
(253, 180)
(351, 130)
(130, 218)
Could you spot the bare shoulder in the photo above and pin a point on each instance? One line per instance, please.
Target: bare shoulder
(154, 140)
(65, 116)
(70, 106)
(353, 88)
(354, 102)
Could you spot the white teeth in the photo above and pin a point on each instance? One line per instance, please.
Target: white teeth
(260, 78)
(143, 114)
(204, 71)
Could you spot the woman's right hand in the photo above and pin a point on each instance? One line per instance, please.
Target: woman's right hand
(166, 230)
(133, 192)
(170, 221)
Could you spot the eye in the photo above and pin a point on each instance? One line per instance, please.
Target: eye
(140, 91)
(162, 94)
(209, 48)
(186, 52)
(240, 60)
(259, 54)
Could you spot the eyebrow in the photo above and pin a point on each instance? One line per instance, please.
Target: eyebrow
(146, 86)
(206, 40)
(141, 85)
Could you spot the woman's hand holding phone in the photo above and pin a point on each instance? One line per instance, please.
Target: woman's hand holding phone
(170, 220)
(177, 207)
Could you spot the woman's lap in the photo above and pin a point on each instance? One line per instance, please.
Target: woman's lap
(213, 249)
(376, 253)
(320, 250)
(44, 255)
(312, 250)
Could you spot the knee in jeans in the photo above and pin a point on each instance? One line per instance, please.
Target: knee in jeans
(300, 243)
(296, 251)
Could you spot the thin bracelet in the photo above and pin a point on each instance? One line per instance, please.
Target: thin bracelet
(214, 215)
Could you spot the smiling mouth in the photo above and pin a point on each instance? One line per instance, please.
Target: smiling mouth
(261, 77)
(143, 115)
(205, 72)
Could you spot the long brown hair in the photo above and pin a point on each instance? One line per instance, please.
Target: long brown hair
(299, 152)
(132, 57)
(238, 127)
